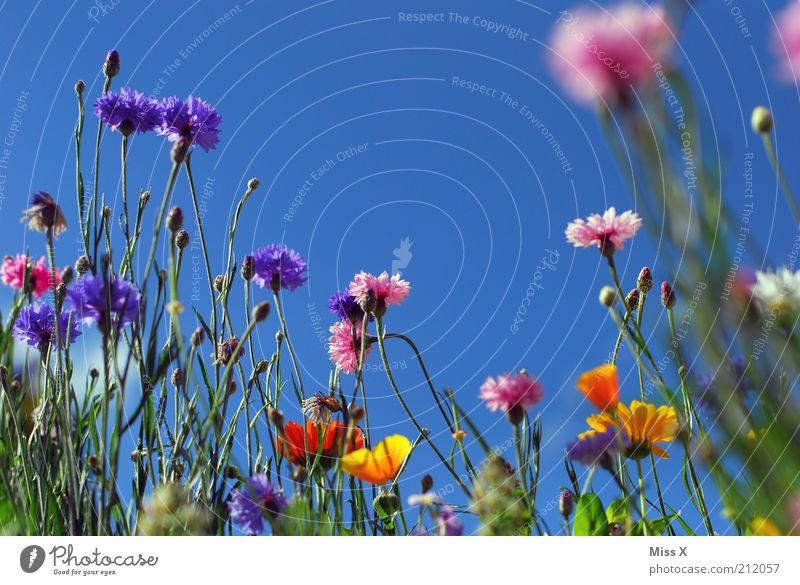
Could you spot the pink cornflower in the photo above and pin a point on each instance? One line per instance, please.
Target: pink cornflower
(511, 393)
(607, 231)
(343, 348)
(786, 41)
(375, 293)
(602, 53)
(13, 271)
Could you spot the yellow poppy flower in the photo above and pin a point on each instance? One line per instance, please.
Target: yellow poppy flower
(601, 386)
(378, 465)
(644, 424)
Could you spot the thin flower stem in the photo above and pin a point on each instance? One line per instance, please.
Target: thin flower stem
(159, 223)
(521, 467)
(787, 190)
(199, 220)
(423, 432)
(642, 498)
(285, 330)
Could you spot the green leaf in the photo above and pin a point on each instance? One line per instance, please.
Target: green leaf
(617, 511)
(590, 518)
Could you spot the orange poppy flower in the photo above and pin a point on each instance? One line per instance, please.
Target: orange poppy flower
(381, 464)
(601, 386)
(324, 439)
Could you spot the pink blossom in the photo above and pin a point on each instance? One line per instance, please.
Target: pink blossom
(786, 41)
(13, 271)
(510, 390)
(607, 231)
(601, 53)
(342, 347)
(387, 291)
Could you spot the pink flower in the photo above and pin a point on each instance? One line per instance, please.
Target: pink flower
(13, 271)
(602, 53)
(384, 290)
(786, 41)
(511, 390)
(607, 231)
(343, 349)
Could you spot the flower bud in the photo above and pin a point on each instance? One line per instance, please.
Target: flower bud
(106, 211)
(61, 292)
(260, 311)
(231, 387)
(253, 184)
(80, 86)
(232, 472)
(82, 265)
(632, 300)
(111, 65)
(68, 274)
(460, 435)
(175, 219)
(566, 504)
(144, 197)
(386, 504)
(198, 336)
(177, 377)
(607, 296)
(279, 337)
(261, 366)
(275, 417)
(182, 239)
(644, 282)
(427, 483)
(515, 415)
(356, 413)
(219, 282)
(761, 120)
(247, 267)
(667, 295)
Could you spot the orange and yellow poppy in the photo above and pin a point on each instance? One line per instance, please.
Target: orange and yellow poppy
(601, 386)
(381, 464)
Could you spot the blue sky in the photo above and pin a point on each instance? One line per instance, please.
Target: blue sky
(366, 131)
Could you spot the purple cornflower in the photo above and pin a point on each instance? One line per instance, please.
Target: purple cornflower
(248, 504)
(36, 326)
(277, 266)
(195, 119)
(447, 523)
(595, 448)
(128, 112)
(88, 299)
(344, 305)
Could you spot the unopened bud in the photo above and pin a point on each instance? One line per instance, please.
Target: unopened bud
(182, 239)
(275, 417)
(68, 274)
(175, 219)
(247, 267)
(198, 336)
(299, 474)
(427, 483)
(253, 184)
(632, 300)
(82, 265)
(761, 120)
(219, 282)
(644, 282)
(356, 414)
(667, 295)
(515, 414)
(177, 377)
(61, 292)
(80, 86)
(144, 197)
(111, 66)
(106, 211)
(261, 366)
(386, 503)
(607, 296)
(261, 311)
(232, 472)
(566, 504)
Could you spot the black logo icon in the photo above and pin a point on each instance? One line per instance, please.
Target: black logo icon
(31, 558)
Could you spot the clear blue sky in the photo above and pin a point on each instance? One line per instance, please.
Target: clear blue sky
(364, 132)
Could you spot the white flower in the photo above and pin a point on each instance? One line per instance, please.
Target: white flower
(778, 291)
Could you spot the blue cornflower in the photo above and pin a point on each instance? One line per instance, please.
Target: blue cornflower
(128, 111)
(249, 504)
(344, 305)
(595, 448)
(195, 119)
(277, 266)
(36, 326)
(88, 299)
